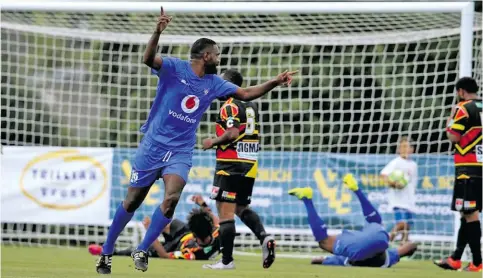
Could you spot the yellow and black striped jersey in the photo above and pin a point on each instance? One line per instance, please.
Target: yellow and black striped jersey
(240, 156)
(466, 124)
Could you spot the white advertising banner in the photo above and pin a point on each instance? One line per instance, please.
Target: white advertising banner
(54, 185)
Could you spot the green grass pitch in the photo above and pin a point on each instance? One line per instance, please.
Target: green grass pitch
(78, 263)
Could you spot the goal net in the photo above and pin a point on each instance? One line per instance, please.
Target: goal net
(76, 79)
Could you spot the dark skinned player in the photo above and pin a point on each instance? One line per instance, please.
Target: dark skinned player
(184, 92)
(237, 143)
(464, 131)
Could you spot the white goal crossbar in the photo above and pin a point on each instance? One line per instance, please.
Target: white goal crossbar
(465, 8)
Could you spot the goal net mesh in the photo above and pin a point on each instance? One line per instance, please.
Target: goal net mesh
(77, 80)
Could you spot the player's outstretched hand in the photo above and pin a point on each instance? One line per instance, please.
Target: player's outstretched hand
(285, 78)
(163, 21)
(207, 143)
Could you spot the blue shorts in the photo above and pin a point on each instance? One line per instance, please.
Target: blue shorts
(151, 162)
(361, 245)
(392, 258)
(403, 215)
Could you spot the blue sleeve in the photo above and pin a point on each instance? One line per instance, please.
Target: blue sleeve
(223, 88)
(335, 261)
(392, 257)
(168, 66)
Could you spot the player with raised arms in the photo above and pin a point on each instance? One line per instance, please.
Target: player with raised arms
(237, 145)
(184, 92)
(367, 248)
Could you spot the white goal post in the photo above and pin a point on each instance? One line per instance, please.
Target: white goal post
(369, 73)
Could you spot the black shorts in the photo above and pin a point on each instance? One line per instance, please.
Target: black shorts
(232, 189)
(377, 261)
(466, 194)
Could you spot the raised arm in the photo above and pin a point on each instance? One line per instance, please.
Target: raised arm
(150, 58)
(254, 92)
(198, 199)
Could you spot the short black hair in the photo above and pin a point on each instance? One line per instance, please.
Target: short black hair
(468, 84)
(233, 76)
(200, 223)
(199, 46)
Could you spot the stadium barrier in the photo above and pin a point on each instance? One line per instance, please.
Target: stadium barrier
(67, 196)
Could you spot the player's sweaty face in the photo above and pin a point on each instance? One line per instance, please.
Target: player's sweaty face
(212, 59)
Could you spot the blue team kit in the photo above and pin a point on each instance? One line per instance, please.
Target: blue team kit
(181, 99)
(353, 245)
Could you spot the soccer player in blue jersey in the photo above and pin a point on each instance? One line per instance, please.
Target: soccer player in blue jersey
(368, 247)
(185, 91)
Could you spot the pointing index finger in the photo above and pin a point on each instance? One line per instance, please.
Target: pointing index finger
(162, 10)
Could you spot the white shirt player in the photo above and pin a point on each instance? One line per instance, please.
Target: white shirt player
(403, 198)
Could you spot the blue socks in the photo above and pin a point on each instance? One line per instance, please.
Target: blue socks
(158, 222)
(370, 213)
(319, 229)
(121, 218)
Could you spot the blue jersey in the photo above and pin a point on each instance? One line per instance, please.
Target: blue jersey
(363, 248)
(181, 99)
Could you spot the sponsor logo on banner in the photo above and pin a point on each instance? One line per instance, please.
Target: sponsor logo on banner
(56, 185)
(279, 171)
(64, 179)
(458, 204)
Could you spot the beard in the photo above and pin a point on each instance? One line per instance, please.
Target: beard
(211, 69)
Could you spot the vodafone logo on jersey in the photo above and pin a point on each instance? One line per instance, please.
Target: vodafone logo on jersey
(190, 103)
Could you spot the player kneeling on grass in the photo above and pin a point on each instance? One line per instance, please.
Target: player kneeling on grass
(196, 240)
(401, 174)
(236, 168)
(369, 247)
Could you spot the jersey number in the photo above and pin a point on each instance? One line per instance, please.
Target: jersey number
(250, 128)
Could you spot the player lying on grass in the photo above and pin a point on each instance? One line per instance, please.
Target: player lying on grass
(196, 240)
(237, 143)
(368, 247)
